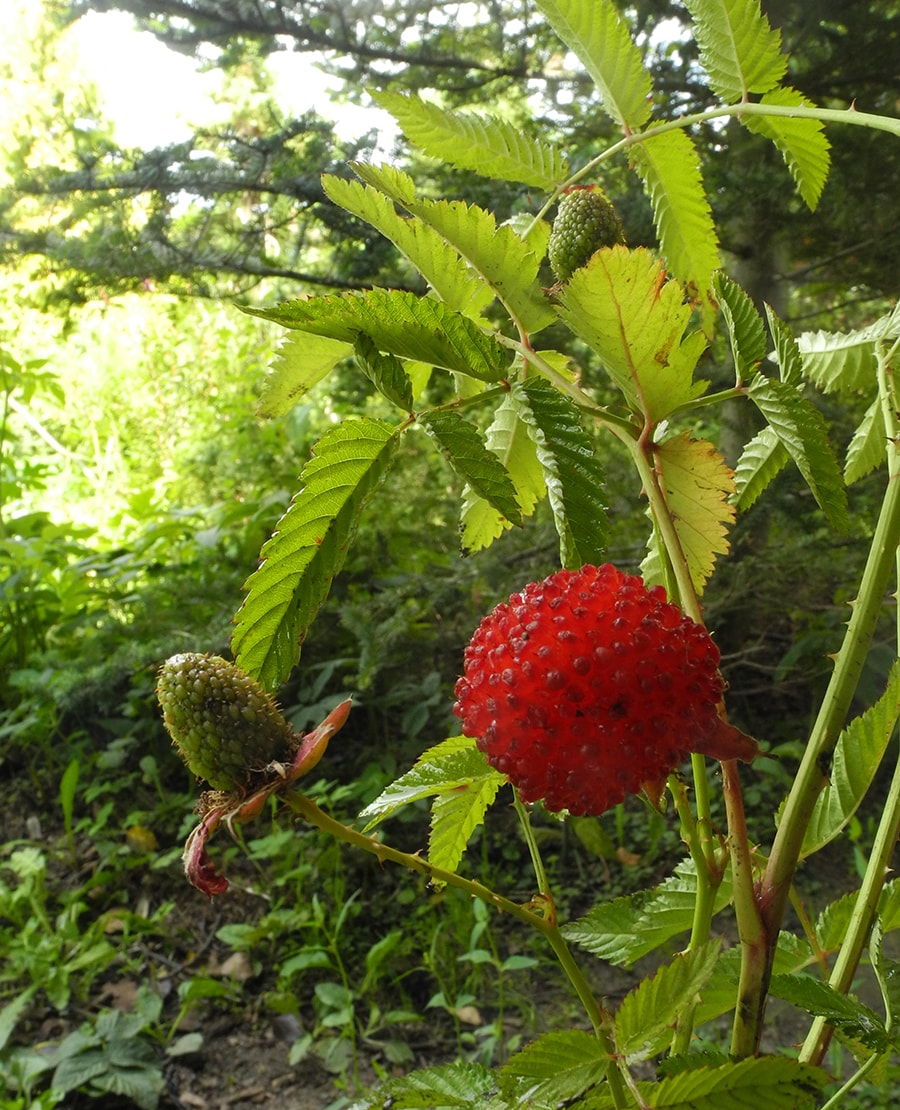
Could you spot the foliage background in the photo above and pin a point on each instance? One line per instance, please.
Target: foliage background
(138, 480)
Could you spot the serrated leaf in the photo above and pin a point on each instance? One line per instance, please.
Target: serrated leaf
(739, 50)
(498, 254)
(697, 486)
(447, 1085)
(887, 972)
(385, 372)
(669, 166)
(595, 32)
(438, 263)
(787, 351)
(300, 363)
(746, 330)
(621, 305)
(489, 146)
(771, 1081)
(308, 547)
(645, 1019)
(625, 929)
(408, 326)
(832, 922)
(857, 756)
(764, 457)
(453, 763)
(802, 142)
(867, 449)
(508, 438)
(466, 452)
(801, 428)
(720, 993)
(844, 1013)
(555, 1068)
(847, 362)
(456, 814)
(573, 473)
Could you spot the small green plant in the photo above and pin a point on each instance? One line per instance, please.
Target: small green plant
(48, 945)
(592, 684)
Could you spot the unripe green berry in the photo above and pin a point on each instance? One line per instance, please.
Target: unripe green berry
(225, 725)
(585, 222)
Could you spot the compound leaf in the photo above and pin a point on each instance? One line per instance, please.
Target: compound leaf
(408, 326)
(447, 767)
(621, 305)
(802, 142)
(300, 363)
(572, 471)
(308, 547)
(595, 32)
(645, 1019)
(697, 485)
(438, 263)
(857, 756)
(489, 146)
(507, 437)
(669, 166)
(739, 50)
(555, 1068)
(466, 452)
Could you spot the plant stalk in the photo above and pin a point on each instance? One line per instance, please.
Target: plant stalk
(812, 774)
(866, 907)
(543, 919)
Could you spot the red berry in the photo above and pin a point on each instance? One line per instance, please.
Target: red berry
(588, 686)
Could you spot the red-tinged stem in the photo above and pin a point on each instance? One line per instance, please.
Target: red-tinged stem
(750, 925)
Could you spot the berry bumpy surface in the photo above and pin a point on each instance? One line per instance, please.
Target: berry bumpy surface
(585, 222)
(586, 686)
(225, 725)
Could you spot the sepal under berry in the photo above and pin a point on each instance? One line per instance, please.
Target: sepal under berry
(585, 222)
(225, 725)
(238, 806)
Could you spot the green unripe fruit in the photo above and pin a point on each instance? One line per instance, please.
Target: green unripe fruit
(585, 222)
(222, 721)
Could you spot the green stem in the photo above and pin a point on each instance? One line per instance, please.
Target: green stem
(823, 115)
(813, 771)
(709, 876)
(864, 911)
(621, 425)
(866, 906)
(543, 920)
(534, 851)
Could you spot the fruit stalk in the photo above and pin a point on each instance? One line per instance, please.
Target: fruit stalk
(544, 923)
